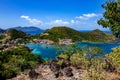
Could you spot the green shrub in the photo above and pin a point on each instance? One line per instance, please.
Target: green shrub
(60, 62)
(78, 59)
(114, 58)
(92, 74)
(63, 55)
(17, 60)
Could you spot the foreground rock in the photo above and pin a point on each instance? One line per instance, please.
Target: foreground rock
(54, 66)
(33, 74)
(68, 72)
(53, 71)
(43, 72)
(59, 69)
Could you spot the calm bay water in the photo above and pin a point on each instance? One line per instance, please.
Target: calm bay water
(106, 47)
(50, 51)
(46, 51)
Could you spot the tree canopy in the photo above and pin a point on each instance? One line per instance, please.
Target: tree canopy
(14, 61)
(111, 16)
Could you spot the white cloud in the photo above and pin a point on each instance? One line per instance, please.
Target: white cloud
(58, 22)
(32, 21)
(90, 15)
(80, 22)
(72, 21)
(87, 16)
(26, 17)
(76, 22)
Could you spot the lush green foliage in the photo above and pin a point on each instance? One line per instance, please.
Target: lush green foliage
(64, 56)
(79, 60)
(114, 58)
(111, 16)
(2, 37)
(14, 34)
(98, 36)
(62, 32)
(14, 61)
(81, 57)
(94, 63)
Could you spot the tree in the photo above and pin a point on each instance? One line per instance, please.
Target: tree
(111, 16)
(114, 58)
(14, 61)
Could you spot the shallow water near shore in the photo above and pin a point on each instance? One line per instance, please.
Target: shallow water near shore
(48, 52)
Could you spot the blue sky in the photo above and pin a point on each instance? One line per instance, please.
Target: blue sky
(77, 14)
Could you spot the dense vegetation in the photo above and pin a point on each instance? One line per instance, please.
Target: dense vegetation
(111, 16)
(14, 34)
(114, 59)
(16, 60)
(2, 37)
(98, 36)
(96, 67)
(62, 32)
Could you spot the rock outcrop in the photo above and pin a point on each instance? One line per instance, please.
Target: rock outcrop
(33, 74)
(62, 69)
(68, 71)
(53, 71)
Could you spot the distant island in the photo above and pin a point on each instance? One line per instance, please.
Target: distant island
(62, 32)
(32, 30)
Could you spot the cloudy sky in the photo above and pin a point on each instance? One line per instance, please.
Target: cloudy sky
(77, 14)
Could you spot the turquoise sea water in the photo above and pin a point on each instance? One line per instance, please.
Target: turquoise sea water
(50, 51)
(106, 47)
(46, 51)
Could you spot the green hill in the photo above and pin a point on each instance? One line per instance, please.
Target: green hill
(98, 36)
(14, 34)
(62, 32)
